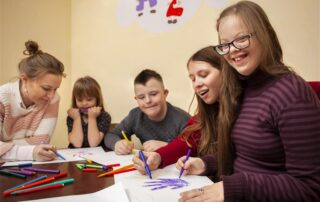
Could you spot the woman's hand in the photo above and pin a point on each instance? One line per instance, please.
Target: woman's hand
(153, 160)
(194, 166)
(44, 152)
(211, 193)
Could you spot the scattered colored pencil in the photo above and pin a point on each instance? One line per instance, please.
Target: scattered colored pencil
(5, 172)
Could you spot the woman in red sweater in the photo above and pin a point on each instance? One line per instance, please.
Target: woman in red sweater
(200, 134)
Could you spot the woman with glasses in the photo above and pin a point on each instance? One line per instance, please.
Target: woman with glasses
(273, 148)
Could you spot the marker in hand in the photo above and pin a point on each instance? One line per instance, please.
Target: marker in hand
(145, 163)
(182, 169)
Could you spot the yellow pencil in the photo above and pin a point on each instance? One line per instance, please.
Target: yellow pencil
(126, 138)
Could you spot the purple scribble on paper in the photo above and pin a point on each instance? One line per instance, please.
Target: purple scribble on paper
(162, 183)
(82, 153)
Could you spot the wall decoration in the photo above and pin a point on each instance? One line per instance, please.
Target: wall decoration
(160, 15)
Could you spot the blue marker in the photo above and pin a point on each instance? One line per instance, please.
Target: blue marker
(182, 169)
(24, 165)
(145, 163)
(60, 156)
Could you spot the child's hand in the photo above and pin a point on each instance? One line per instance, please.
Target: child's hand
(122, 147)
(153, 160)
(93, 112)
(152, 145)
(74, 113)
(194, 166)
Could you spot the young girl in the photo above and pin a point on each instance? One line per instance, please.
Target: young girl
(29, 107)
(87, 120)
(276, 136)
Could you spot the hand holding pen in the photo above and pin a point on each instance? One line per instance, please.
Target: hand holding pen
(146, 166)
(124, 146)
(153, 161)
(44, 152)
(192, 166)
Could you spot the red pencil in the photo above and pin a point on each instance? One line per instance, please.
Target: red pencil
(46, 180)
(89, 170)
(38, 189)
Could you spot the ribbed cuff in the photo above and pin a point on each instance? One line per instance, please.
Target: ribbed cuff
(234, 186)
(211, 165)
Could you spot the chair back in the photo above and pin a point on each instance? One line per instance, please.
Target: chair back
(316, 87)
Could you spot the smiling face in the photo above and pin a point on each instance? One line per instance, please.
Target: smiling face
(41, 90)
(246, 60)
(206, 80)
(151, 99)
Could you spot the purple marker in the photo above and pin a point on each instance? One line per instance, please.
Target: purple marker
(182, 169)
(84, 110)
(22, 172)
(42, 170)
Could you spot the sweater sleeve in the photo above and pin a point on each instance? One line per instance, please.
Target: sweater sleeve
(299, 130)
(179, 147)
(113, 136)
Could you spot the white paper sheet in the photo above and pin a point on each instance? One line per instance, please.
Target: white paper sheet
(134, 184)
(114, 193)
(69, 155)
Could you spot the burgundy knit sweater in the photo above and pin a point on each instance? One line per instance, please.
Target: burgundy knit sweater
(276, 141)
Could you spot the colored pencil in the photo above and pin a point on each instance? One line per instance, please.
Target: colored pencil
(130, 166)
(37, 189)
(40, 170)
(24, 165)
(28, 182)
(89, 170)
(46, 180)
(118, 172)
(5, 172)
(127, 140)
(145, 164)
(59, 155)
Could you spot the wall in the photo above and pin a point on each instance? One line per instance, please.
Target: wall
(85, 35)
(114, 54)
(48, 23)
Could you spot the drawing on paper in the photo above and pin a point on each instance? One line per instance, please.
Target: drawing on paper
(162, 183)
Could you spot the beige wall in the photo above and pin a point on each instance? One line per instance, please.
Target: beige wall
(48, 23)
(85, 35)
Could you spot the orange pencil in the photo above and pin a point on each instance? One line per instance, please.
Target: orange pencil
(130, 166)
(118, 172)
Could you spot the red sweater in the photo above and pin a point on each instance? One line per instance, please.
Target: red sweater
(179, 147)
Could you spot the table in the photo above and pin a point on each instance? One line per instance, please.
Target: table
(84, 183)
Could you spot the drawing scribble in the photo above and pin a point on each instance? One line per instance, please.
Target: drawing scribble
(82, 153)
(162, 183)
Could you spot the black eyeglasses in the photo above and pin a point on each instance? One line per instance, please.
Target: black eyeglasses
(239, 43)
